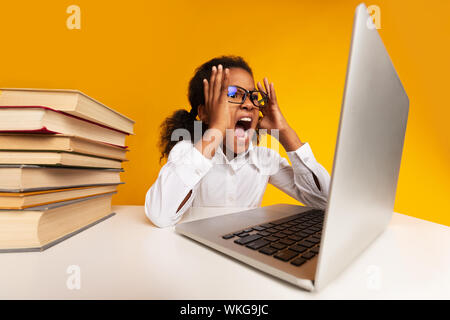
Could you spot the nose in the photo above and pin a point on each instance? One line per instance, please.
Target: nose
(247, 104)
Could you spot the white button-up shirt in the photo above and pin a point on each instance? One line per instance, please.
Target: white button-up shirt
(241, 182)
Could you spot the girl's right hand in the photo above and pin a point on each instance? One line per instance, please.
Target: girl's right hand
(220, 116)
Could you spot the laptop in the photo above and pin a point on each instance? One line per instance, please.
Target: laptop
(309, 247)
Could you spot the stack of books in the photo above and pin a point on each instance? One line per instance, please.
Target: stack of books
(61, 155)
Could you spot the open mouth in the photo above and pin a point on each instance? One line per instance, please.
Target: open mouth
(241, 127)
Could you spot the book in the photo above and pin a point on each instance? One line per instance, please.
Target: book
(21, 200)
(45, 120)
(59, 142)
(56, 158)
(38, 228)
(72, 102)
(23, 178)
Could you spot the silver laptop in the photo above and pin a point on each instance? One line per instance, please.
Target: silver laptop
(310, 247)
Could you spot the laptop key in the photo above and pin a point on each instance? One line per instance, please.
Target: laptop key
(305, 224)
(286, 255)
(278, 245)
(280, 235)
(272, 230)
(271, 239)
(313, 240)
(228, 236)
(315, 250)
(306, 243)
(298, 248)
(259, 228)
(264, 233)
(248, 239)
(298, 261)
(302, 234)
(268, 250)
(287, 241)
(295, 238)
(291, 223)
(308, 255)
(243, 234)
(255, 245)
(267, 225)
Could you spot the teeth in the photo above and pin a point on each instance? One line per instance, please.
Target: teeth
(245, 119)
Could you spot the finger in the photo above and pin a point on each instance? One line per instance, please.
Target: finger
(272, 93)
(266, 85)
(211, 84)
(218, 82)
(264, 111)
(206, 92)
(225, 83)
(260, 87)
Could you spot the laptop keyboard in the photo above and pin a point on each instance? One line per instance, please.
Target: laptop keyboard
(294, 239)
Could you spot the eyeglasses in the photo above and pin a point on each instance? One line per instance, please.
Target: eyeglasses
(238, 95)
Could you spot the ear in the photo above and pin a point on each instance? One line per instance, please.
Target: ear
(202, 115)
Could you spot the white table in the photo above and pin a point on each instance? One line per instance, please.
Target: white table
(127, 257)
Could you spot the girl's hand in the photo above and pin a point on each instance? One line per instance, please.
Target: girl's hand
(272, 116)
(219, 115)
(273, 119)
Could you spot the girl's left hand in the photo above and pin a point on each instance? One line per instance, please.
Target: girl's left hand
(272, 116)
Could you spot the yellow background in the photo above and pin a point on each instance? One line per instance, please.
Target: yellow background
(138, 56)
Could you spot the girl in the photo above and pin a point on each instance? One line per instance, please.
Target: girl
(220, 166)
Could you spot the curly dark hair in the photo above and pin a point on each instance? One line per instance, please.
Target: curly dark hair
(182, 119)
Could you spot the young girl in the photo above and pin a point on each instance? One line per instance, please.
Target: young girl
(221, 166)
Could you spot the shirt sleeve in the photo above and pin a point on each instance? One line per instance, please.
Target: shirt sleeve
(184, 169)
(298, 180)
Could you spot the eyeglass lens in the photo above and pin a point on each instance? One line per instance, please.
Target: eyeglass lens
(238, 95)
